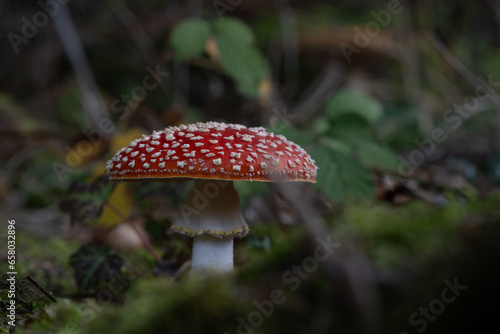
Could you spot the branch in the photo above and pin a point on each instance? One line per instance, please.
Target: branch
(92, 99)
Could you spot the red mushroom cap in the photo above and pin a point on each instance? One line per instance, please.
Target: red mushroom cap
(213, 151)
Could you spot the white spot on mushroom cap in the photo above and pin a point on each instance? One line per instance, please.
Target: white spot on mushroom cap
(217, 161)
(262, 145)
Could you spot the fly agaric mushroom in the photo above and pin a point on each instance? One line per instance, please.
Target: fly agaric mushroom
(214, 154)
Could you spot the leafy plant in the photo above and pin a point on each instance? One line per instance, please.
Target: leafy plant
(189, 37)
(230, 43)
(345, 147)
(95, 265)
(85, 202)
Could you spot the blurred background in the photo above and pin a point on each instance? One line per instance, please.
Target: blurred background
(396, 101)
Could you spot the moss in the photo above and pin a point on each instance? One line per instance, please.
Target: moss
(159, 305)
(411, 234)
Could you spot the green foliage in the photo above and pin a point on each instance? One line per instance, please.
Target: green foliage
(85, 201)
(188, 38)
(238, 56)
(347, 102)
(396, 237)
(211, 305)
(345, 148)
(234, 29)
(64, 317)
(341, 177)
(244, 64)
(28, 300)
(95, 265)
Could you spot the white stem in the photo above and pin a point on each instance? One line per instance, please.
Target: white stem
(211, 253)
(212, 216)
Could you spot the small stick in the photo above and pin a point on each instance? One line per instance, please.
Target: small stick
(35, 283)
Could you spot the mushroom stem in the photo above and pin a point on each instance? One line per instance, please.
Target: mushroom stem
(212, 216)
(212, 253)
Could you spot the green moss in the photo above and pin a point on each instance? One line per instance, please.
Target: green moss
(396, 236)
(159, 305)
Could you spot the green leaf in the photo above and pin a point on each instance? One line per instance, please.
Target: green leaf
(243, 63)
(300, 137)
(94, 265)
(342, 178)
(188, 38)
(85, 201)
(352, 129)
(235, 29)
(378, 156)
(345, 102)
(355, 131)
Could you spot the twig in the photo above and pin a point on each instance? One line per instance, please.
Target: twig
(319, 91)
(461, 69)
(145, 241)
(136, 32)
(345, 261)
(143, 42)
(38, 286)
(93, 101)
(290, 40)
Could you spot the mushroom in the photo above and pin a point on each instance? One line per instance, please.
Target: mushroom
(214, 154)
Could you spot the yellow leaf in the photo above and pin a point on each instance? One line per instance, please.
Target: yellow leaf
(122, 200)
(123, 139)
